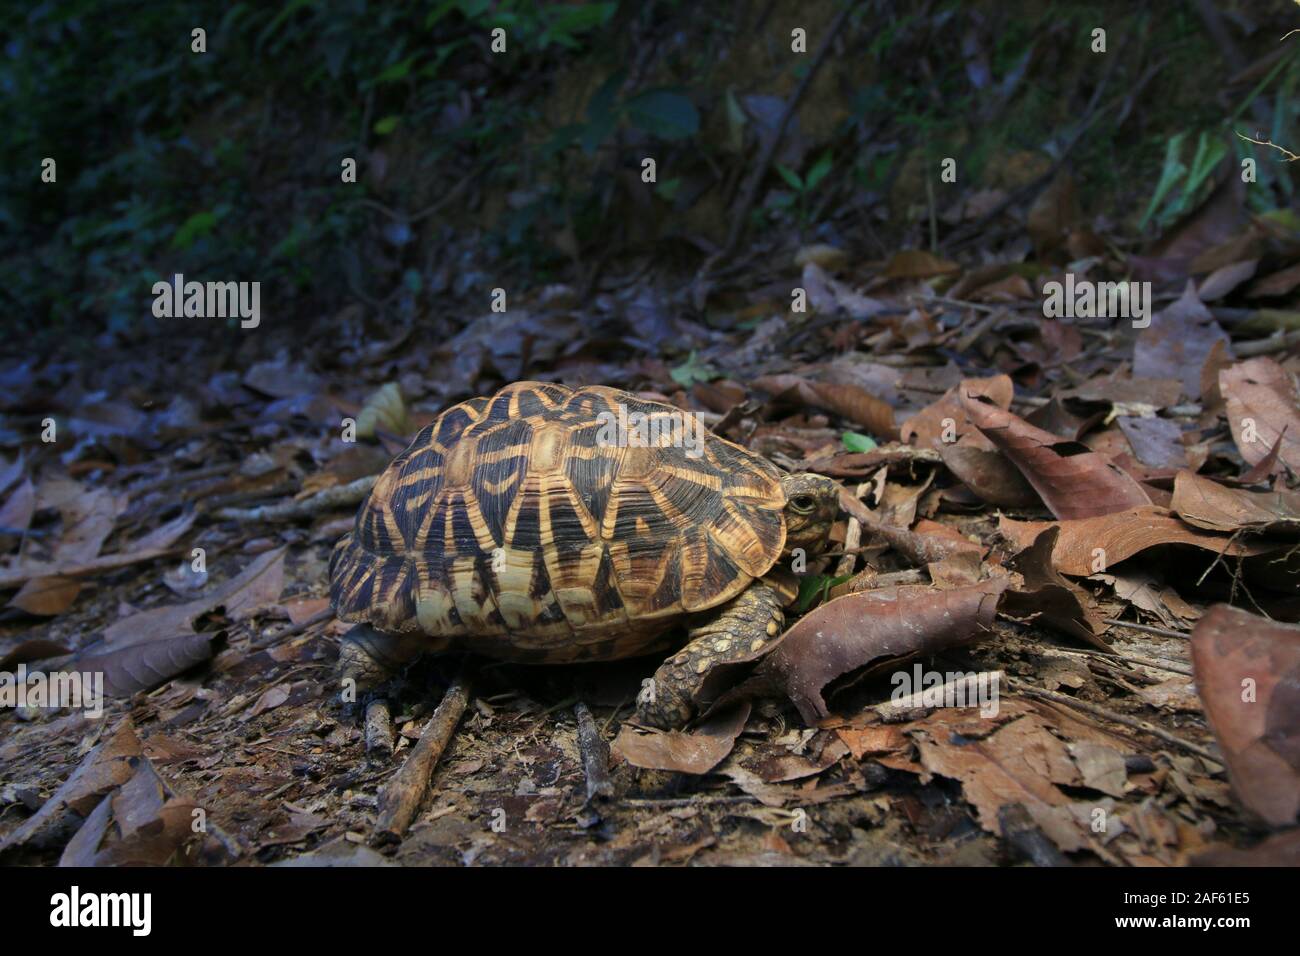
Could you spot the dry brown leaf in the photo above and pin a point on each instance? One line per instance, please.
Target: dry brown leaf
(1208, 504)
(107, 766)
(944, 421)
(1248, 672)
(1178, 341)
(1118, 536)
(918, 264)
(696, 751)
(1059, 603)
(1072, 481)
(256, 586)
(850, 632)
(1263, 408)
(849, 401)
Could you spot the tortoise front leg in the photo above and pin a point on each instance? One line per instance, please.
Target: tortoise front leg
(738, 631)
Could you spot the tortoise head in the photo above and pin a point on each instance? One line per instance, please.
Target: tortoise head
(811, 504)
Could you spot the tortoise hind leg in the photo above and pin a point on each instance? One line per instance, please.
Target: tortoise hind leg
(739, 631)
(370, 657)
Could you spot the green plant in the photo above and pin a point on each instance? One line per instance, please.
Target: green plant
(803, 186)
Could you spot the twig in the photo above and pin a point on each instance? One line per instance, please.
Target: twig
(401, 797)
(595, 755)
(338, 496)
(1172, 666)
(379, 730)
(319, 617)
(741, 213)
(1290, 156)
(12, 578)
(1166, 632)
(1101, 712)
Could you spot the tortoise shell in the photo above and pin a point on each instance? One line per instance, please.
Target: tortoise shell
(526, 527)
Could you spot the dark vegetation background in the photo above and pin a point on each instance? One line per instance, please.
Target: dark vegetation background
(475, 168)
(522, 171)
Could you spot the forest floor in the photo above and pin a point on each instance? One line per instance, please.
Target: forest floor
(1065, 500)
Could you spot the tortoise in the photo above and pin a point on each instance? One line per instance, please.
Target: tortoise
(550, 524)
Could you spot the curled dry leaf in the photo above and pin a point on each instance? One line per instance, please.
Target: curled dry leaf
(858, 629)
(849, 401)
(944, 421)
(144, 823)
(1072, 481)
(916, 547)
(1060, 603)
(1208, 504)
(1089, 545)
(990, 476)
(1248, 672)
(145, 665)
(695, 751)
(1263, 409)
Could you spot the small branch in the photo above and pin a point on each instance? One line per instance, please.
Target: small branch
(14, 577)
(1101, 712)
(401, 797)
(741, 213)
(1290, 156)
(595, 755)
(379, 731)
(327, 500)
(1163, 631)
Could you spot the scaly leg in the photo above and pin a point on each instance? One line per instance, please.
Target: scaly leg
(738, 631)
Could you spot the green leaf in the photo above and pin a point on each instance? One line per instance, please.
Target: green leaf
(574, 20)
(199, 224)
(791, 177)
(692, 371)
(1169, 175)
(813, 587)
(664, 113)
(668, 188)
(386, 125)
(856, 442)
(397, 71)
(819, 171)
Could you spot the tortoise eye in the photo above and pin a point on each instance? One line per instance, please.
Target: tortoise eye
(802, 503)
